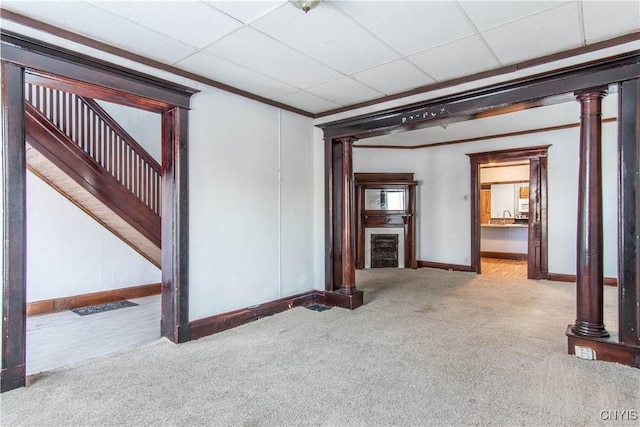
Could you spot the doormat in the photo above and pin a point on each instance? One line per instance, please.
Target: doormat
(317, 307)
(100, 308)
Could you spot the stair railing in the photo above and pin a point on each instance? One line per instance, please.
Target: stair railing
(104, 140)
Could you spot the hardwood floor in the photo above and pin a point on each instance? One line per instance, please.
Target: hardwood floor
(506, 268)
(62, 339)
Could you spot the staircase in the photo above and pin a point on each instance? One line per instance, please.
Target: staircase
(78, 149)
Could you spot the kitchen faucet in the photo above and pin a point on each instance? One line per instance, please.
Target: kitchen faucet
(503, 216)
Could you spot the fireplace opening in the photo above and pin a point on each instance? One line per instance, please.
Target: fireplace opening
(384, 250)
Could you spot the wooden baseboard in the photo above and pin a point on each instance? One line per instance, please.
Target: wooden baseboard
(443, 266)
(505, 255)
(607, 349)
(608, 281)
(76, 301)
(212, 325)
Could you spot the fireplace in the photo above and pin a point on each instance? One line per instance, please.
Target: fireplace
(384, 250)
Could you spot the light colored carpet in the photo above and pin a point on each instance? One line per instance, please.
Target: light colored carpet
(429, 347)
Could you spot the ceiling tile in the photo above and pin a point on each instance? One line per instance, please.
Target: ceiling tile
(446, 62)
(607, 19)
(83, 18)
(308, 102)
(327, 35)
(410, 26)
(393, 77)
(246, 11)
(345, 91)
(538, 35)
(259, 52)
(488, 14)
(195, 23)
(234, 75)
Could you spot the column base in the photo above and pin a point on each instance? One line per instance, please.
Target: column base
(606, 349)
(337, 299)
(586, 329)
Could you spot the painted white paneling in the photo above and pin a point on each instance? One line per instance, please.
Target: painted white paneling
(144, 126)
(251, 237)
(69, 253)
(233, 193)
(504, 239)
(296, 204)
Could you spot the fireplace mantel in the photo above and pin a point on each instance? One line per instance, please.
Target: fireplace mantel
(377, 213)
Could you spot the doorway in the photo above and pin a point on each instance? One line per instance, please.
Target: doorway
(497, 207)
(98, 80)
(504, 219)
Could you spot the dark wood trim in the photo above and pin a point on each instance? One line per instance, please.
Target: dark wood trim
(14, 219)
(589, 260)
(538, 224)
(222, 322)
(84, 300)
(347, 233)
(505, 255)
(561, 277)
(444, 266)
(103, 79)
(149, 93)
(49, 141)
(123, 53)
(175, 225)
(404, 219)
(490, 73)
(553, 88)
(329, 200)
(483, 138)
(629, 212)
(608, 349)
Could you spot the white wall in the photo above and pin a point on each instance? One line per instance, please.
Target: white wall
(69, 253)
(443, 223)
(144, 126)
(251, 191)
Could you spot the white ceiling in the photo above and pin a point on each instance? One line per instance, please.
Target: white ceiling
(341, 52)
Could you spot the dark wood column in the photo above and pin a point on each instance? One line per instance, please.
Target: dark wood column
(14, 224)
(629, 215)
(175, 226)
(589, 270)
(347, 235)
(340, 224)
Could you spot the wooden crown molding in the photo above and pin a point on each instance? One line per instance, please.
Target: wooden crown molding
(87, 41)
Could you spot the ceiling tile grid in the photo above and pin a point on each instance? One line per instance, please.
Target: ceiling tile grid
(341, 52)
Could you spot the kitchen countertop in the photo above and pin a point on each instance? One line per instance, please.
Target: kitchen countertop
(505, 225)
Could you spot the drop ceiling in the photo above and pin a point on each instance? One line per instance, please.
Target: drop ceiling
(341, 53)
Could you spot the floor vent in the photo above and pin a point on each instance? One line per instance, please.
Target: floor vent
(101, 308)
(317, 307)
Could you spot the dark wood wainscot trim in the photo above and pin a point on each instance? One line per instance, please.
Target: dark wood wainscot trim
(608, 349)
(404, 219)
(557, 277)
(505, 255)
(212, 325)
(444, 266)
(67, 303)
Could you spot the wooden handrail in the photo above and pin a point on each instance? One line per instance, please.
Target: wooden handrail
(85, 123)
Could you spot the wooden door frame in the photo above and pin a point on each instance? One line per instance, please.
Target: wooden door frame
(70, 71)
(537, 261)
